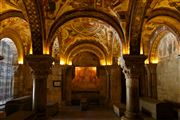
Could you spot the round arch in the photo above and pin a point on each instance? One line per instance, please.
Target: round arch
(163, 12)
(12, 13)
(92, 13)
(14, 36)
(88, 48)
(155, 24)
(160, 32)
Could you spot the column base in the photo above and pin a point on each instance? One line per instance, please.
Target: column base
(131, 116)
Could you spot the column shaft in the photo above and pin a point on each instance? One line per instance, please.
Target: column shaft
(132, 65)
(41, 65)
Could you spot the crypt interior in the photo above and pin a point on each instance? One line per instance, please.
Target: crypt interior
(117, 56)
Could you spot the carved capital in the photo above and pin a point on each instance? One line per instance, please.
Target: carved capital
(131, 65)
(40, 64)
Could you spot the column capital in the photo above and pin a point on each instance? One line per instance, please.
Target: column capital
(132, 60)
(40, 64)
(131, 65)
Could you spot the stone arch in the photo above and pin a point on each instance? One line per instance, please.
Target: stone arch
(70, 15)
(14, 36)
(154, 24)
(163, 12)
(159, 33)
(88, 48)
(12, 13)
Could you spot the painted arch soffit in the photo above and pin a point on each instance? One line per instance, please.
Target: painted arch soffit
(170, 4)
(154, 26)
(91, 29)
(11, 5)
(19, 26)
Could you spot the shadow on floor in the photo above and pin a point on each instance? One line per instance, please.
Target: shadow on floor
(92, 113)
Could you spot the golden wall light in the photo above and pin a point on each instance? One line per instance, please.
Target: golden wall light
(20, 61)
(146, 61)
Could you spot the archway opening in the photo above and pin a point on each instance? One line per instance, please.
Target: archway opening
(8, 67)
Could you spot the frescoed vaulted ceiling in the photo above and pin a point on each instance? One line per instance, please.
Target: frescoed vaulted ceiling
(99, 32)
(82, 29)
(18, 26)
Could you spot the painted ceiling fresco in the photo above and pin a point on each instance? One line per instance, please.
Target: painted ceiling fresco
(18, 25)
(82, 29)
(8, 5)
(168, 46)
(172, 4)
(89, 29)
(54, 9)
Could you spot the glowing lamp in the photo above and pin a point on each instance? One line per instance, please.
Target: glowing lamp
(154, 60)
(62, 62)
(146, 61)
(20, 62)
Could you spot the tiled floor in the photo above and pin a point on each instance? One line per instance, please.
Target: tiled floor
(93, 113)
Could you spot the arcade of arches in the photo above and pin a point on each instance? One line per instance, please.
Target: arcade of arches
(110, 53)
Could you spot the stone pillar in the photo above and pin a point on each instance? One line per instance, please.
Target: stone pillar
(132, 65)
(41, 65)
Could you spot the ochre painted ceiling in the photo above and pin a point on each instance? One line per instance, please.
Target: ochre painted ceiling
(83, 29)
(21, 29)
(88, 31)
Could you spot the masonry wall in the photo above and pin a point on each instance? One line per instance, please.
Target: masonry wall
(54, 86)
(23, 80)
(168, 79)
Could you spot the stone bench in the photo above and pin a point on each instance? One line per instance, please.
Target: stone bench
(21, 115)
(22, 103)
(158, 110)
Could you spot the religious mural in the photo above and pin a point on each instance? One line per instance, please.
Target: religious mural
(85, 79)
(168, 46)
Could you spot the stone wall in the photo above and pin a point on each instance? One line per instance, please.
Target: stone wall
(168, 79)
(54, 85)
(22, 83)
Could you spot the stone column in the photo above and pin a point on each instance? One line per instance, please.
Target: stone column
(41, 65)
(132, 65)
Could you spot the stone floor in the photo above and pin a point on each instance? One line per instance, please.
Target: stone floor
(93, 113)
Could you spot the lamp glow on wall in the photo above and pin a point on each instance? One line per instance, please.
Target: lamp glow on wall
(146, 61)
(46, 51)
(102, 62)
(69, 62)
(31, 50)
(154, 60)
(62, 61)
(141, 49)
(20, 61)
